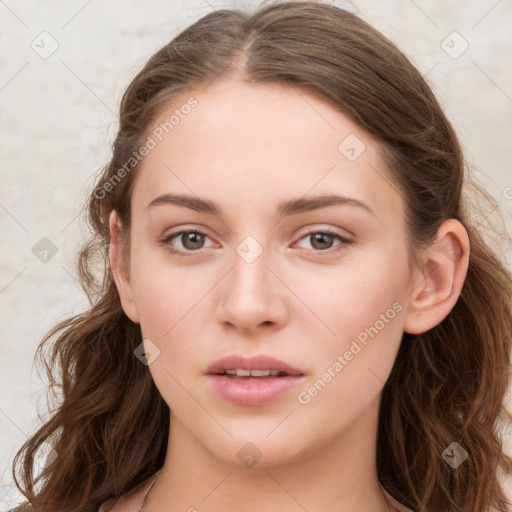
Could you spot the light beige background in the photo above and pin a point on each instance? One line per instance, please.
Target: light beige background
(58, 119)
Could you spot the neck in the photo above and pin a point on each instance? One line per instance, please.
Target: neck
(340, 475)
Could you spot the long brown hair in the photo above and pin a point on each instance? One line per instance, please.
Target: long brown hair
(110, 425)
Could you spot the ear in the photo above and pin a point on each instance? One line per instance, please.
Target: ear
(119, 268)
(440, 279)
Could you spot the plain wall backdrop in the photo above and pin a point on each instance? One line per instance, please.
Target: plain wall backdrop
(64, 67)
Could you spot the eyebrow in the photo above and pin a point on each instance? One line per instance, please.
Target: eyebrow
(285, 208)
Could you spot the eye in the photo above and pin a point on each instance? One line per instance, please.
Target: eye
(191, 241)
(323, 240)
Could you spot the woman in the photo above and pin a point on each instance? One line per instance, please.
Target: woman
(296, 311)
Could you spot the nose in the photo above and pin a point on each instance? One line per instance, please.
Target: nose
(251, 297)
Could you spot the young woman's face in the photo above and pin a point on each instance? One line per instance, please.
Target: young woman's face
(320, 285)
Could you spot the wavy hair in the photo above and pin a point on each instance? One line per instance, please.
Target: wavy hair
(109, 425)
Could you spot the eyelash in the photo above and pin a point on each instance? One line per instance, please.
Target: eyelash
(165, 241)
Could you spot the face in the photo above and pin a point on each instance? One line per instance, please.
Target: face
(322, 287)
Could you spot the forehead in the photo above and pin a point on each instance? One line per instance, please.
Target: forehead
(255, 144)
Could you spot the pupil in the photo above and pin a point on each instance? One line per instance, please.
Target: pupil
(320, 237)
(191, 239)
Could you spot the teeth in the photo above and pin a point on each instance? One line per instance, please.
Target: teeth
(252, 373)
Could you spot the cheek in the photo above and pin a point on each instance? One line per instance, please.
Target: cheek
(361, 308)
(354, 294)
(169, 299)
(352, 365)
(160, 287)
(168, 302)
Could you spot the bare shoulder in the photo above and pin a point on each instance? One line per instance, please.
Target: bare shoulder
(398, 506)
(128, 502)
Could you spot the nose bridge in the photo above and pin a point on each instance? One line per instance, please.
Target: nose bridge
(250, 275)
(251, 295)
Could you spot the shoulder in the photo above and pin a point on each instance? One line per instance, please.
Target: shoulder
(395, 503)
(125, 503)
(106, 506)
(103, 508)
(128, 502)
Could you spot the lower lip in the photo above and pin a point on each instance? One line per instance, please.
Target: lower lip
(253, 392)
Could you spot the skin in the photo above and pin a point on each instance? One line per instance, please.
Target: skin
(247, 148)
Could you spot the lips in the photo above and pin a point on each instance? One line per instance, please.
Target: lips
(258, 362)
(253, 390)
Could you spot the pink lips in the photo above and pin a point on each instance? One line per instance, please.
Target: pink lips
(242, 391)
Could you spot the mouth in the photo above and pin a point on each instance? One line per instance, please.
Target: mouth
(254, 381)
(241, 374)
(255, 367)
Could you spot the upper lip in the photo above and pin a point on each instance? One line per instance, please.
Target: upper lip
(258, 362)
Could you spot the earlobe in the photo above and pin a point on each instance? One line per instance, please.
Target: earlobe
(119, 270)
(440, 279)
